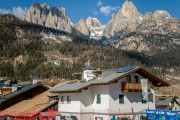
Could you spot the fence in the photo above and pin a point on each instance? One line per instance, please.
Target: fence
(20, 117)
(28, 116)
(101, 114)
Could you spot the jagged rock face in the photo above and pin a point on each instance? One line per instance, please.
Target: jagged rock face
(63, 12)
(161, 17)
(124, 22)
(130, 11)
(165, 22)
(134, 43)
(49, 17)
(148, 25)
(93, 22)
(82, 29)
(157, 32)
(95, 27)
(153, 32)
(127, 30)
(64, 23)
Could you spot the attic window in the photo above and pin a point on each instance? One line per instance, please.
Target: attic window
(136, 79)
(128, 78)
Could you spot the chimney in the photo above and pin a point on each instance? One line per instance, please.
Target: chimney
(14, 88)
(88, 72)
(88, 75)
(35, 80)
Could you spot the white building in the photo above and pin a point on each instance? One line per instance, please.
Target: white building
(106, 93)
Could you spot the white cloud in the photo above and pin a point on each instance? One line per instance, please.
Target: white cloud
(99, 3)
(17, 11)
(106, 10)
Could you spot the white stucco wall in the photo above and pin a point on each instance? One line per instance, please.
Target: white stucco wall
(85, 101)
(73, 106)
(102, 90)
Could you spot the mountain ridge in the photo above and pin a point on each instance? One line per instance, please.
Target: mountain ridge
(37, 50)
(120, 31)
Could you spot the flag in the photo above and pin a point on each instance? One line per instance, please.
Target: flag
(144, 86)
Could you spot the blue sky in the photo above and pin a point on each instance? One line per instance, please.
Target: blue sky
(101, 9)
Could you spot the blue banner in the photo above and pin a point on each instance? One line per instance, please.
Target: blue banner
(150, 114)
(171, 115)
(162, 115)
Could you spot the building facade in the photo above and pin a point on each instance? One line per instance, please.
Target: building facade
(109, 93)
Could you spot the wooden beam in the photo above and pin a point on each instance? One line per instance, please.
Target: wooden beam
(78, 91)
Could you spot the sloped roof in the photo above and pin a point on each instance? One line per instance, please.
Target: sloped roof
(32, 106)
(109, 76)
(164, 100)
(23, 89)
(163, 103)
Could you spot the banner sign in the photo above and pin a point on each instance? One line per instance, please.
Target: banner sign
(150, 114)
(144, 86)
(162, 115)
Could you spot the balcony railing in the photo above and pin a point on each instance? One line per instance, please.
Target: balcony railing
(133, 87)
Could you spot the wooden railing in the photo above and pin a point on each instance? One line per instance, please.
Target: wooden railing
(133, 87)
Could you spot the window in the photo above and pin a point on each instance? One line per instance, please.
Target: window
(128, 78)
(62, 99)
(98, 118)
(98, 99)
(68, 99)
(136, 78)
(121, 98)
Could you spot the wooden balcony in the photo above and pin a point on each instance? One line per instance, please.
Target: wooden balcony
(133, 87)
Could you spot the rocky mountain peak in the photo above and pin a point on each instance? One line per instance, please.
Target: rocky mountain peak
(54, 11)
(161, 16)
(63, 12)
(36, 6)
(126, 22)
(95, 27)
(49, 17)
(123, 22)
(162, 13)
(82, 29)
(148, 25)
(130, 11)
(148, 17)
(93, 22)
